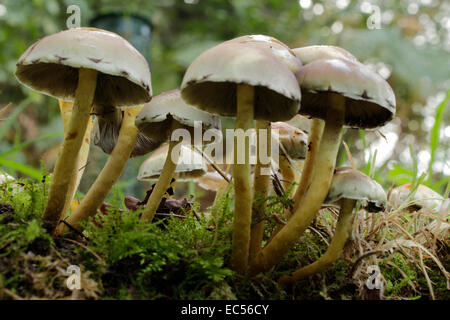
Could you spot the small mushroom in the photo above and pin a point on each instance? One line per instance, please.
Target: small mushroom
(87, 66)
(249, 77)
(343, 93)
(159, 120)
(7, 179)
(348, 186)
(293, 145)
(423, 198)
(191, 165)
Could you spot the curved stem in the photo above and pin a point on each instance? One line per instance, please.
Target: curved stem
(317, 127)
(65, 164)
(165, 177)
(261, 187)
(341, 234)
(242, 184)
(66, 111)
(274, 251)
(110, 173)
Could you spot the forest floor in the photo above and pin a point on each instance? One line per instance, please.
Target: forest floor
(187, 256)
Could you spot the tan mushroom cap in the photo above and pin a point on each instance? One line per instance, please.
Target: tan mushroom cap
(293, 140)
(156, 116)
(51, 66)
(370, 100)
(312, 53)
(423, 198)
(190, 165)
(212, 181)
(263, 62)
(349, 183)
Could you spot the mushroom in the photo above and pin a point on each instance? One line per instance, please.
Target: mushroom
(423, 198)
(88, 66)
(348, 186)
(293, 142)
(106, 132)
(65, 108)
(191, 165)
(343, 93)
(160, 120)
(7, 179)
(213, 181)
(250, 77)
(308, 55)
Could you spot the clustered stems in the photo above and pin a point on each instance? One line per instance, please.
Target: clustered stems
(317, 127)
(66, 112)
(65, 164)
(305, 214)
(342, 233)
(261, 187)
(242, 184)
(110, 173)
(166, 176)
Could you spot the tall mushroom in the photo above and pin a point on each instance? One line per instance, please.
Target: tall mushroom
(348, 186)
(86, 65)
(307, 55)
(343, 93)
(159, 120)
(250, 77)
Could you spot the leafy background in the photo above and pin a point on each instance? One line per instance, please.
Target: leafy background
(411, 50)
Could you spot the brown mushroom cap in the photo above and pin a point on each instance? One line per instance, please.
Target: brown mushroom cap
(191, 165)
(263, 62)
(51, 66)
(370, 101)
(349, 183)
(155, 117)
(312, 53)
(294, 140)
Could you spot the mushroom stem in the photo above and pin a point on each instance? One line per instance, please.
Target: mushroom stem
(317, 127)
(65, 164)
(66, 110)
(242, 184)
(261, 187)
(341, 234)
(164, 179)
(274, 251)
(110, 173)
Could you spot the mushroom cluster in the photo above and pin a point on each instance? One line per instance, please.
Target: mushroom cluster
(306, 95)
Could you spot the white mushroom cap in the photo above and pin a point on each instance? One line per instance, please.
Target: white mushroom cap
(349, 183)
(15, 187)
(170, 104)
(210, 81)
(423, 198)
(5, 177)
(370, 100)
(293, 140)
(190, 165)
(312, 53)
(51, 66)
(301, 122)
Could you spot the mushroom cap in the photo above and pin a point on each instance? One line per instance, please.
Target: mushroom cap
(210, 82)
(293, 140)
(170, 103)
(312, 53)
(190, 165)
(212, 181)
(51, 66)
(423, 198)
(370, 101)
(301, 122)
(349, 183)
(4, 177)
(106, 132)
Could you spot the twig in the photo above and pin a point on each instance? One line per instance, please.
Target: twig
(86, 248)
(219, 171)
(425, 273)
(365, 255)
(12, 294)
